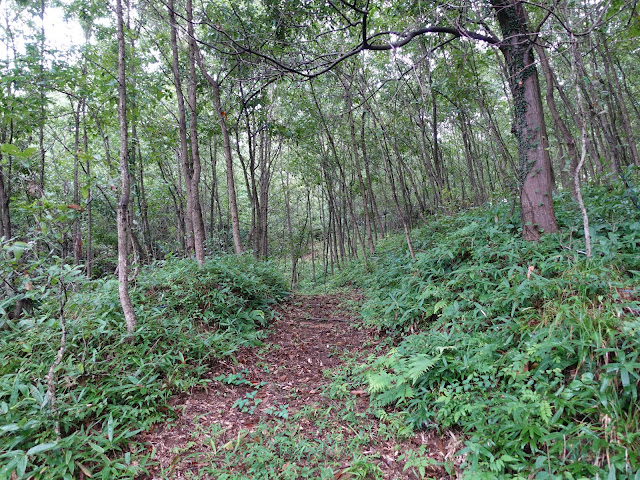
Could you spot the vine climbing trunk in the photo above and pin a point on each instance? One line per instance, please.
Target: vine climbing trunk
(534, 165)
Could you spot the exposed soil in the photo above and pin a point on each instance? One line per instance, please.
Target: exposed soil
(276, 385)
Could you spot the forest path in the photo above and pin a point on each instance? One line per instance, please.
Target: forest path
(294, 408)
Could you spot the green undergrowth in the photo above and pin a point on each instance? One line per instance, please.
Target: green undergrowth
(531, 349)
(109, 389)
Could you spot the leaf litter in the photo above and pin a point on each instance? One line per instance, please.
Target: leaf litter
(278, 404)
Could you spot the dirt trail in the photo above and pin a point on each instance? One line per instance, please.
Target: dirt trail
(277, 402)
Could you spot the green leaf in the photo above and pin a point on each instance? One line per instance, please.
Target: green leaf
(43, 447)
(97, 448)
(11, 427)
(21, 465)
(421, 364)
(624, 377)
(110, 426)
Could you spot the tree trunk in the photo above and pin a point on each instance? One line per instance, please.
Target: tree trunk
(358, 168)
(77, 238)
(468, 155)
(559, 123)
(196, 166)
(534, 164)
(123, 203)
(583, 150)
(377, 222)
(231, 184)
(622, 106)
(43, 98)
(187, 168)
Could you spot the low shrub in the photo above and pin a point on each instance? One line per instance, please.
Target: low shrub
(531, 349)
(109, 389)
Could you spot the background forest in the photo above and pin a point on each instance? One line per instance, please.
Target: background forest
(472, 166)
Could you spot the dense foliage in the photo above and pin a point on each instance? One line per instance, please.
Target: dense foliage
(108, 389)
(531, 350)
(310, 133)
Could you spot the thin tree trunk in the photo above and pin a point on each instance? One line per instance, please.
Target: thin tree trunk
(294, 256)
(622, 106)
(231, 184)
(77, 238)
(187, 168)
(177, 204)
(85, 142)
(123, 203)
(561, 126)
(583, 151)
(377, 222)
(313, 248)
(196, 165)
(5, 214)
(43, 99)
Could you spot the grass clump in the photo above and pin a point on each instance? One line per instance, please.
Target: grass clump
(108, 389)
(530, 349)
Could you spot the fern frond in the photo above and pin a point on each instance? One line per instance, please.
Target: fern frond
(419, 365)
(379, 382)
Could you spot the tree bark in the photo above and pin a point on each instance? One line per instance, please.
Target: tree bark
(185, 160)
(43, 99)
(583, 150)
(622, 106)
(77, 238)
(534, 164)
(195, 164)
(559, 123)
(358, 168)
(125, 185)
(231, 184)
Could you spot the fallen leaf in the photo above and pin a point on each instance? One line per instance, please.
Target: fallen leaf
(388, 460)
(84, 469)
(530, 271)
(358, 393)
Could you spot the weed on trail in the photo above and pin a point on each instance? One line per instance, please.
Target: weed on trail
(296, 408)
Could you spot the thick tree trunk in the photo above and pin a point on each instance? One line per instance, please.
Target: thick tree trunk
(125, 182)
(534, 164)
